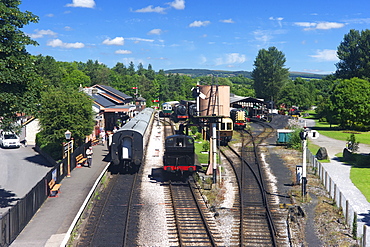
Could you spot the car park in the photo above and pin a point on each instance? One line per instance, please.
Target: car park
(9, 140)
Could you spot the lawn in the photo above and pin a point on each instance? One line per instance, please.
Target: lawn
(360, 176)
(361, 179)
(333, 131)
(202, 158)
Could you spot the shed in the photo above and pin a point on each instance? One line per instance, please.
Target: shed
(283, 136)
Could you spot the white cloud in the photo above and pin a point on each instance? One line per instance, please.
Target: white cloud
(123, 52)
(199, 23)
(227, 21)
(140, 39)
(320, 25)
(42, 33)
(50, 15)
(150, 9)
(59, 43)
(230, 58)
(203, 59)
(329, 25)
(68, 28)
(262, 36)
(155, 31)
(115, 41)
(156, 58)
(178, 4)
(359, 21)
(278, 19)
(305, 24)
(127, 60)
(325, 55)
(82, 3)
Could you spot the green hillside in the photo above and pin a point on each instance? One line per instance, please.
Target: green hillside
(224, 73)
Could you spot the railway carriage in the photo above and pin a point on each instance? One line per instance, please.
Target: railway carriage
(225, 131)
(129, 142)
(179, 154)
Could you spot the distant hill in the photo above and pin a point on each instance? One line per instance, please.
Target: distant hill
(224, 73)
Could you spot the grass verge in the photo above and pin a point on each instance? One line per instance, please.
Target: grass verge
(360, 172)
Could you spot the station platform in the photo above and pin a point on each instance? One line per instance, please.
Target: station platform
(51, 224)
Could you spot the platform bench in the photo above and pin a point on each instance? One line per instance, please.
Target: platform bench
(80, 160)
(54, 188)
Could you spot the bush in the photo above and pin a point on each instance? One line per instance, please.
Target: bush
(295, 141)
(362, 160)
(194, 129)
(352, 144)
(205, 147)
(198, 136)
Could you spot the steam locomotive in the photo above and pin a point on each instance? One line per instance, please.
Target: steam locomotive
(179, 154)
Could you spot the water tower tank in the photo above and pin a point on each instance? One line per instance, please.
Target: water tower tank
(216, 101)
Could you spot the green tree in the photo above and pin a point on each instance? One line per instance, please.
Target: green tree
(19, 84)
(49, 70)
(63, 109)
(120, 68)
(351, 102)
(140, 69)
(354, 55)
(326, 112)
(131, 68)
(150, 73)
(297, 93)
(76, 78)
(269, 74)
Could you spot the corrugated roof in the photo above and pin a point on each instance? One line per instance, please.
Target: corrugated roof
(113, 91)
(101, 101)
(113, 98)
(235, 98)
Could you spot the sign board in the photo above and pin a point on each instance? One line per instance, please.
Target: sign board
(313, 134)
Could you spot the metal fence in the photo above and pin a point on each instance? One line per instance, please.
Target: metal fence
(336, 194)
(18, 216)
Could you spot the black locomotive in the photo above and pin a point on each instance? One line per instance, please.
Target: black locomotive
(179, 154)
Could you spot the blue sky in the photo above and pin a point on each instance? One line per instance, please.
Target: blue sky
(202, 34)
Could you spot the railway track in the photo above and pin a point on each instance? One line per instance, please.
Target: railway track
(190, 221)
(169, 129)
(114, 214)
(256, 210)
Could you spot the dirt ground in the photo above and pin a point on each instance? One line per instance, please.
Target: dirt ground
(323, 222)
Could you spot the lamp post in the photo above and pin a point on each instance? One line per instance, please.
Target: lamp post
(68, 135)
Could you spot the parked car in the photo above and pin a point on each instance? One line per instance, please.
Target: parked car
(8, 140)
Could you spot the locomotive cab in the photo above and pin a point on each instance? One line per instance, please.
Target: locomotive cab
(179, 154)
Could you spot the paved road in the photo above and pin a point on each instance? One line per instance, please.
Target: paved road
(20, 170)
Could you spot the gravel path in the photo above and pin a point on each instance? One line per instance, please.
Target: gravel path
(153, 225)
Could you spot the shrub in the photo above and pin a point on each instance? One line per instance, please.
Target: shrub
(352, 144)
(194, 130)
(295, 141)
(205, 147)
